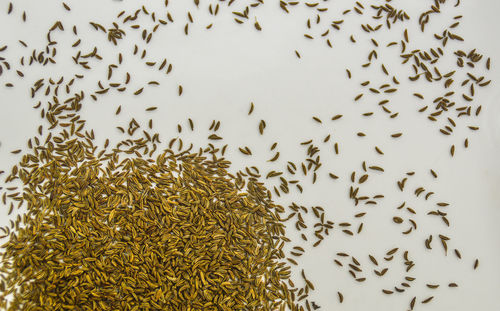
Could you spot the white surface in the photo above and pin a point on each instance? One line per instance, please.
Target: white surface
(223, 69)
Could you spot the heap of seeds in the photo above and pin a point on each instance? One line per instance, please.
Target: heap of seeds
(137, 228)
(171, 233)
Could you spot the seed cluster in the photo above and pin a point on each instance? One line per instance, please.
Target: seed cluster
(171, 233)
(142, 224)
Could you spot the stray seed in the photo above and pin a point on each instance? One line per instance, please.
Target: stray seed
(333, 176)
(336, 117)
(251, 108)
(434, 174)
(257, 26)
(262, 126)
(317, 119)
(397, 220)
(418, 95)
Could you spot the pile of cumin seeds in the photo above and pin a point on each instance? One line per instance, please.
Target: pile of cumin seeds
(105, 169)
(171, 233)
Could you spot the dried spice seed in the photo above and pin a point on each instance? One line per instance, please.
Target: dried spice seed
(412, 303)
(418, 95)
(317, 119)
(262, 126)
(333, 176)
(397, 220)
(251, 108)
(257, 26)
(341, 297)
(336, 117)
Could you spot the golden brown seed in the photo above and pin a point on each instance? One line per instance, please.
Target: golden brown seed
(257, 26)
(251, 108)
(397, 220)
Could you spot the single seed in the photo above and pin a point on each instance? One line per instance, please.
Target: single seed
(257, 26)
(317, 119)
(251, 108)
(397, 220)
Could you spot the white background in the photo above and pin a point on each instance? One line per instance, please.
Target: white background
(223, 69)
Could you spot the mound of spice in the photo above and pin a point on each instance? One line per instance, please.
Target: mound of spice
(172, 233)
